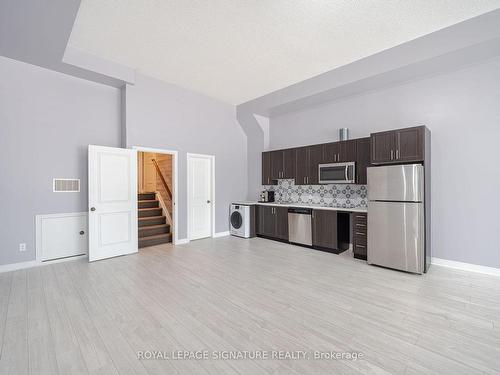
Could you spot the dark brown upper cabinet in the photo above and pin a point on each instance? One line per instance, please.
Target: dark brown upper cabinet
(347, 151)
(266, 169)
(315, 159)
(324, 229)
(339, 152)
(398, 146)
(276, 164)
(411, 144)
(331, 152)
(282, 164)
(362, 159)
(289, 163)
(382, 147)
(302, 165)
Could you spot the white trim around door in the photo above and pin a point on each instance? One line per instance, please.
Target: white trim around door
(190, 158)
(175, 238)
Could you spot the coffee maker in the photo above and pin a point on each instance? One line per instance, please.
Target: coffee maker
(267, 196)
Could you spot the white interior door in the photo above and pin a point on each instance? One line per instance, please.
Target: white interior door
(200, 196)
(112, 202)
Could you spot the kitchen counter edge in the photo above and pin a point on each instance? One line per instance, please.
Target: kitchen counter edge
(298, 205)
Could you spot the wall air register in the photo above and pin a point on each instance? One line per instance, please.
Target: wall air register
(66, 185)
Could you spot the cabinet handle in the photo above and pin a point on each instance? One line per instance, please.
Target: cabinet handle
(338, 157)
(360, 246)
(397, 154)
(360, 225)
(361, 234)
(392, 154)
(361, 216)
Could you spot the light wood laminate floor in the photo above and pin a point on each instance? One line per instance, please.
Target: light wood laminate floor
(232, 294)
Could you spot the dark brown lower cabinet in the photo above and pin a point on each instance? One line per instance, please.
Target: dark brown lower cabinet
(324, 229)
(359, 235)
(330, 230)
(266, 221)
(272, 222)
(281, 217)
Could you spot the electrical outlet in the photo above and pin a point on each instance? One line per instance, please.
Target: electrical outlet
(22, 247)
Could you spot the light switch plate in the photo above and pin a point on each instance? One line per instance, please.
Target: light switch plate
(22, 247)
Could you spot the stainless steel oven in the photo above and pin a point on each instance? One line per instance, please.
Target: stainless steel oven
(337, 173)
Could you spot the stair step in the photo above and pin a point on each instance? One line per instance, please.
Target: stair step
(152, 230)
(146, 212)
(152, 220)
(155, 240)
(149, 203)
(146, 196)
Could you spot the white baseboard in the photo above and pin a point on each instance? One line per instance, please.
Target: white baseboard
(181, 241)
(221, 234)
(36, 263)
(466, 266)
(18, 266)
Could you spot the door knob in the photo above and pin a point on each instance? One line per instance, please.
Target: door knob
(92, 208)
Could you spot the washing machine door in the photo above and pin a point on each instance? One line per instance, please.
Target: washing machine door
(236, 220)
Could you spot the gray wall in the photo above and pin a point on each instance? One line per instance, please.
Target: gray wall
(165, 116)
(47, 120)
(463, 112)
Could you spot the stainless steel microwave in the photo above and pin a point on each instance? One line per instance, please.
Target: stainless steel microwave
(337, 173)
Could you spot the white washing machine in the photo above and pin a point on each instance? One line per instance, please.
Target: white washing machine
(242, 220)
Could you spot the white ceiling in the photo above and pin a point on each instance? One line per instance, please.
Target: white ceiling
(237, 50)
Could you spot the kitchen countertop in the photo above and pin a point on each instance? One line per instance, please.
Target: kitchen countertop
(302, 205)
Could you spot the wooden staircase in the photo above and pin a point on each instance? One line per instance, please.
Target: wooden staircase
(153, 227)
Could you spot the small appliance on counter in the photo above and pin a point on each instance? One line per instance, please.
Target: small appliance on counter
(242, 220)
(267, 196)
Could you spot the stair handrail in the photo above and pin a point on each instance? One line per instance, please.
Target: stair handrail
(165, 185)
(164, 208)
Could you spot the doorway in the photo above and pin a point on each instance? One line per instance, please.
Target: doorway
(156, 196)
(201, 196)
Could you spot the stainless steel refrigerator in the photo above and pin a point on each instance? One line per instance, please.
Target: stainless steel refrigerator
(396, 217)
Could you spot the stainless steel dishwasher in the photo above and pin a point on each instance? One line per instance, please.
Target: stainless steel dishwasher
(299, 226)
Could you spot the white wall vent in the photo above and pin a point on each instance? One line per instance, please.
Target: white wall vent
(66, 185)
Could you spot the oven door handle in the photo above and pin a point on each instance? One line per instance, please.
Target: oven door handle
(346, 173)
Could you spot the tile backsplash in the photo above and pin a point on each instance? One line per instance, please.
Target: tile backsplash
(337, 195)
